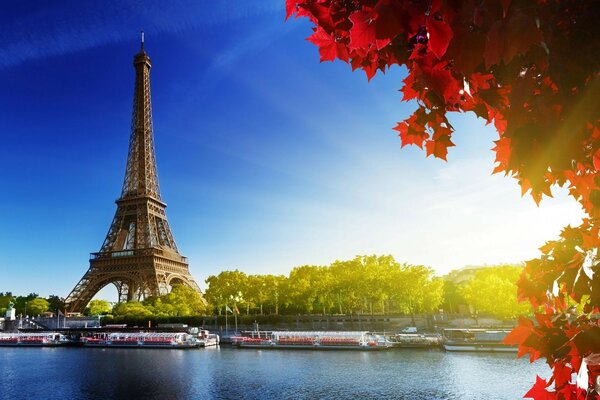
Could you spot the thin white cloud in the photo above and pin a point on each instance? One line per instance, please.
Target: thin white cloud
(68, 27)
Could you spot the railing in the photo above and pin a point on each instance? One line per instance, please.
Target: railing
(134, 253)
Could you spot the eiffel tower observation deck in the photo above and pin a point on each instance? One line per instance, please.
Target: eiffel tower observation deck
(139, 255)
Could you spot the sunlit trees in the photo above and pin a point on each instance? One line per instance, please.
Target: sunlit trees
(453, 298)
(276, 288)
(304, 288)
(181, 301)
(22, 302)
(493, 290)
(98, 307)
(225, 289)
(133, 309)
(346, 289)
(415, 289)
(37, 306)
(365, 284)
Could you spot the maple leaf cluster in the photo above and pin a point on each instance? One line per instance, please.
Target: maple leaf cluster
(530, 68)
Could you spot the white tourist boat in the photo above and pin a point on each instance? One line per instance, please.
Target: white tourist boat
(316, 340)
(164, 340)
(41, 339)
(485, 340)
(415, 340)
(208, 339)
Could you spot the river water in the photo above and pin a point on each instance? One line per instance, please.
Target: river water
(229, 373)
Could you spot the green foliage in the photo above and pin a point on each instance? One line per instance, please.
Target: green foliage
(21, 303)
(181, 301)
(225, 289)
(132, 309)
(453, 297)
(98, 307)
(37, 306)
(365, 284)
(493, 290)
(56, 302)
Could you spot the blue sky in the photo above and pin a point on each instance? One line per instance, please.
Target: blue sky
(267, 159)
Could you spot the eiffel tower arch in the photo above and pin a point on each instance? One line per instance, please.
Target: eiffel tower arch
(139, 255)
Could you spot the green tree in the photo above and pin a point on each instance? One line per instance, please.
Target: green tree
(452, 296)
(37, 306)
(304, 288)
(22, 302)
(434, 295)
(131, 309)
(225, 289)
(56, 302)
(256, 292)
(277, 289)
(493, 290)
(98, 307)
(416, 290)
(346, 285)
(182, 301)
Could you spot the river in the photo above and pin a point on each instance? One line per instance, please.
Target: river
(228, 373)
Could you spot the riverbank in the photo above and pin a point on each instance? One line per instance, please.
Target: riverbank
(354, 322)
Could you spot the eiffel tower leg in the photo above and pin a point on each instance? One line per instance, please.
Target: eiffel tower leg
(87, 287)
(131, 289)
(161, 284)
(122, 291)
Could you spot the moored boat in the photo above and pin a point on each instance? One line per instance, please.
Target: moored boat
(165, 340)
(316, 340)
(207, 339)
(485, 340)
(414, 340)
(41, 339)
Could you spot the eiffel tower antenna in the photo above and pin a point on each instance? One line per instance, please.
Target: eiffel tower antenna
(139, 255)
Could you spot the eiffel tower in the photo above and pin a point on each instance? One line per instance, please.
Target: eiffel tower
(139, 255)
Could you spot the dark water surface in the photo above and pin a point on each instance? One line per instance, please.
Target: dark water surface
(99, 374)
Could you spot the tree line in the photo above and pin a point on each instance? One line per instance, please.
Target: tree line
(363, 285)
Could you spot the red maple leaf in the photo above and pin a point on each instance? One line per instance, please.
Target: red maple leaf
(520, 333)
(561, 375)
(538, 390)
(596, 160)
(440, 35)
(412, 131)
(321, 15)
(388, 23)
(362, 33)
(439, 146)
(329, 48)
(290, 8)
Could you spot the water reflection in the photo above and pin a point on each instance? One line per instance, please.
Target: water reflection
(96, 374)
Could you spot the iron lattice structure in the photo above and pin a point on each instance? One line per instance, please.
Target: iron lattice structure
(139, 255)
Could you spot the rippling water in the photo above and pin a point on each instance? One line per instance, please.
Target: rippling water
(411, 374)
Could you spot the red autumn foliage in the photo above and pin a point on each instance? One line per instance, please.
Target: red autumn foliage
(530, 67)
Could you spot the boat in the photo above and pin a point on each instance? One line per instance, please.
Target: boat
(316, 340)
(414, 340)
(164, 340)
(485, 340)
(208, 339)
(41, 339)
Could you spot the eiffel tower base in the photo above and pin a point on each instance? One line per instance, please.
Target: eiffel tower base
(137, 274)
